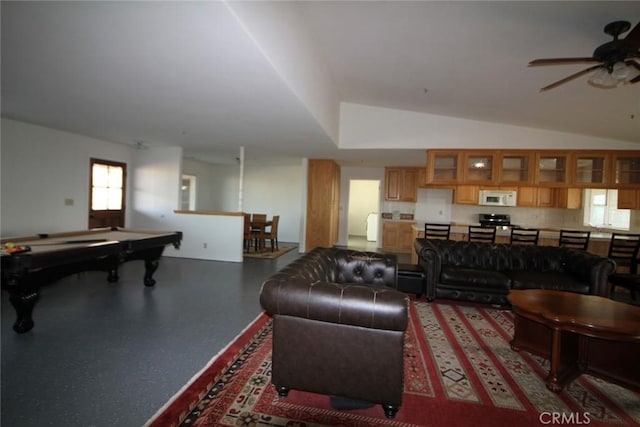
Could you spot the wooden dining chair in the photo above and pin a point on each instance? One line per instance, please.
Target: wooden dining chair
(524, 236)
(248, 237)
(437, 231)
(575, 239)
(256, 219)
(623, 249)
(272, 234)
(481, 234)
(258, 224)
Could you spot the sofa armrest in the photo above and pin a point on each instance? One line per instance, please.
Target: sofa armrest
(593, 269)
(375, 307)
(430, 261)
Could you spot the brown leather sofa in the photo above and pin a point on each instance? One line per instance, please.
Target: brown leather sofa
(339, 326)
(486, 272)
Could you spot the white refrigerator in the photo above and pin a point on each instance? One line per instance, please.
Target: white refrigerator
(372, 227)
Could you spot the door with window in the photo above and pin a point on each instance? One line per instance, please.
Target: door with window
(107, 193)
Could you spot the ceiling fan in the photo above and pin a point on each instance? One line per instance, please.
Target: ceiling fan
(613, 58)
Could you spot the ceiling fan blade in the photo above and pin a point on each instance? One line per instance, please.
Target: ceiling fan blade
(571, 77)
(632, 40)
(560, 61)
(634, 64)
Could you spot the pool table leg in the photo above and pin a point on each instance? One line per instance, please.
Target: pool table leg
(150, 267)
(112, 275)
(23, 303)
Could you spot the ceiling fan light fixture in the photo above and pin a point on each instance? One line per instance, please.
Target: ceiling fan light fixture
(603, 79)
(620, 71)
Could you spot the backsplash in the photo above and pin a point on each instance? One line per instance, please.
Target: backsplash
(468, 214)
(397, 215)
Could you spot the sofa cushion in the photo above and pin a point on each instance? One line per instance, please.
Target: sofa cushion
(473, 277)
(529, 279)
(360, 267)
(537, 258)
(474, 255)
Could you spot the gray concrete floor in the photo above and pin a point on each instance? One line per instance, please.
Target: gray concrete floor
(112, 354)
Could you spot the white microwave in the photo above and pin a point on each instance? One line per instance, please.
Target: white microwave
(497, 198)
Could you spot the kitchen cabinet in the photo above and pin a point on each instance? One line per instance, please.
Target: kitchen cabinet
(552, 168)
(443, 167)
(546, 197)
(568, 198)
(515, 167)
(466, 194)
(528, 168)
(626, 169)
(401, 184)
(397, 236)
(479, 167)
(422, 177)
(591, 169)
(628, 198)
(536, 197)
(323, 198)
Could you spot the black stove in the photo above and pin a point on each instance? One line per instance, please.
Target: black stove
(494, 220)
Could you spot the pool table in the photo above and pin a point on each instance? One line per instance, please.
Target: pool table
(49, 257)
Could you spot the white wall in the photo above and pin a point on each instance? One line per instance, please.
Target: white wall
(157, 180)
(292, 54)
(272, 190)
(269, 189)
(208, 237)
(276, 190)
(205, 195)
(363, 126)
(156, 193)
(41, 167)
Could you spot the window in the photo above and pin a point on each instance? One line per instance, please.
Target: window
(188, 193)
(107, 182)
(601, 210)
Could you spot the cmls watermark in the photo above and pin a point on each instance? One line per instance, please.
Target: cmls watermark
(559, 418)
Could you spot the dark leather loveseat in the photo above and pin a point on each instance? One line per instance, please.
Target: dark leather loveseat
(338, 326)
(486, 272)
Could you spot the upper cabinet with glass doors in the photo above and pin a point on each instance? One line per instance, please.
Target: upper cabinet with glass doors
(443, 167)
(479, 167)
(591, 169)
(516, 167)
(626, 168)
(527, 168)
(551, 168)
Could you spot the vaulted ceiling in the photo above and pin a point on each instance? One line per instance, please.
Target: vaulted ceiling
(205, 76)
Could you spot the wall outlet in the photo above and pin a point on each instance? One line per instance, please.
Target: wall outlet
(68, 202)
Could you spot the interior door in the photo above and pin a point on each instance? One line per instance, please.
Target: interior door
(107, 189)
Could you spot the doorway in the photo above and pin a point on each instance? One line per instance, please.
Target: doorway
(107, 190)
(363, 214)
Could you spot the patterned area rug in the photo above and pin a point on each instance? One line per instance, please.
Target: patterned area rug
(267, 254)
(459, 371)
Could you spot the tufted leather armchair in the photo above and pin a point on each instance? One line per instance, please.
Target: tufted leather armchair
(338, 326)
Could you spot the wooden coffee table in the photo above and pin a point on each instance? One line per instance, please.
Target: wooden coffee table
(578, 334)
